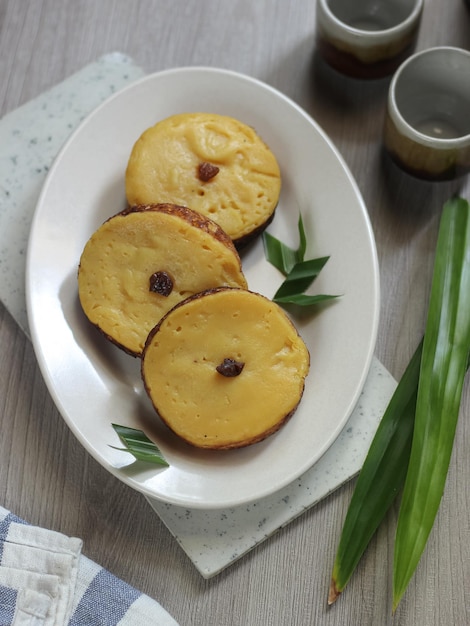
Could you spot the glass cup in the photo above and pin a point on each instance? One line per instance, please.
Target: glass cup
(367, 38)
(427, 123)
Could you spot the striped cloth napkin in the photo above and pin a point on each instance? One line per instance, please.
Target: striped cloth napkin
(46, 581)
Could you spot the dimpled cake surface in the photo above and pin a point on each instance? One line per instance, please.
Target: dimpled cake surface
(143, 261)
(213, 164)
(225, 368)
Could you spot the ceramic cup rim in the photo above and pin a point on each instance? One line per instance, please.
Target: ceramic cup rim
(373, 35)
(402, 123)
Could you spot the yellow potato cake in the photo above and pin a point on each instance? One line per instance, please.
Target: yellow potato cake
(211, 163)
(225, 368)
(141, 262)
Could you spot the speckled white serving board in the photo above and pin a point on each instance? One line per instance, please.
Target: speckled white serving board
(30, 138)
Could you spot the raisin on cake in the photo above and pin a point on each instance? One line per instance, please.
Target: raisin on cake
(225, 368)
(211, 163)
(141, 262)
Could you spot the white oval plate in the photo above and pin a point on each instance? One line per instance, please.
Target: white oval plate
(94, 384)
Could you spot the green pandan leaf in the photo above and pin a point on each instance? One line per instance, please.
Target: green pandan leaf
(139, 445)
(300, 277)
(299, 273)
(282, 256)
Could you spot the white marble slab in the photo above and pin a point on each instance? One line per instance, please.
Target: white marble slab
(30, 138)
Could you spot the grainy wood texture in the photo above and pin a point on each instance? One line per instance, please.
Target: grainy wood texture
(47, 477)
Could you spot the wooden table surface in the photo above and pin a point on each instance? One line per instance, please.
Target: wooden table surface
(47, 477)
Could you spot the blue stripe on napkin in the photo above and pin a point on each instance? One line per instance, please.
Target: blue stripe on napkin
(83, 589)
(5, 527)
(7, 604)
(105, 591)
